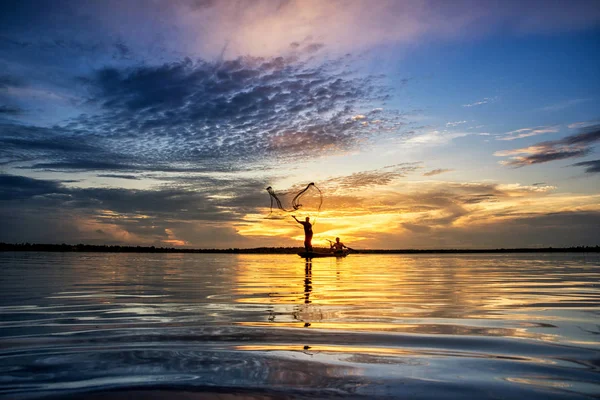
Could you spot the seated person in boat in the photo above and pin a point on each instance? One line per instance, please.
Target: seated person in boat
(337, 246)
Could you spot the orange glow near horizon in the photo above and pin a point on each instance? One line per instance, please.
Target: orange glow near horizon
(387, 213)
(381, 218)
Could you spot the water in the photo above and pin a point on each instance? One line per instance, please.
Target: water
(200, 326)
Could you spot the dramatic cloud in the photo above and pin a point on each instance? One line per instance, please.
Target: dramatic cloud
(152, 216)
(26, 144)
(197, 113)
(577, 145)
(20, 187)
(591, 167)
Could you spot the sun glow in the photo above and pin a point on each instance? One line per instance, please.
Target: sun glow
(362, 219)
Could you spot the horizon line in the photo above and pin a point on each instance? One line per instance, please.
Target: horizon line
(116, 248)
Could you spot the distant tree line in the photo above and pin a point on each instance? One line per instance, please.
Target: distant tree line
(271, 250)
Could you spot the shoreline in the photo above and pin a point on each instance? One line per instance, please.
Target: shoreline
(38, 247)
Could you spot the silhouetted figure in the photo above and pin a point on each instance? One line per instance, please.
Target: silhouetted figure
(308, 233)
(337, 246)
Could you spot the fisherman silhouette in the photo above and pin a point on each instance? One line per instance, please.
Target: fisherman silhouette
(308, 233)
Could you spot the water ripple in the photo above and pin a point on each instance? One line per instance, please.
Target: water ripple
(453, 326)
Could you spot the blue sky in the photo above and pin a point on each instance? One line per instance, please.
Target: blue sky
(425, 123)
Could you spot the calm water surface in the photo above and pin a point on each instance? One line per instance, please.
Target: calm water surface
(196, 326)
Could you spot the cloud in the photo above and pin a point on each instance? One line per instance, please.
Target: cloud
(564, 104)
(239, 108)
(266, 28)
(528, 132)
(560, 229)
(437, 171)
(583, 124)
(27, 144)
(450, 214)
(10, 110)
(539, 154)
(592, 167)
(516, 189)
(436, 137)
(379, 177)
(195, 195)
(485, 100)
(20, 187)
(572, 146)
(448, 124)
(150, 216)
(119, 176)
(211, 212)
(199, 116)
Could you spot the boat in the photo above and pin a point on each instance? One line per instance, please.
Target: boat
(315, 254)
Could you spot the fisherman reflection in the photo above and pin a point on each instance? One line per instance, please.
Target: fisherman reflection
(307, 281)
(307, 285)
(301, 310)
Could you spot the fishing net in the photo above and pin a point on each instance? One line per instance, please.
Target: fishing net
(305, 202)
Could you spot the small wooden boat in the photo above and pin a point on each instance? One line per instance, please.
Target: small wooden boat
(315, 254)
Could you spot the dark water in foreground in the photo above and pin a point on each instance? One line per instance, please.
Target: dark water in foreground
(196, 326)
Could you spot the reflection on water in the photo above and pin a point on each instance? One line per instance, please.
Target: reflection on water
(368, 326)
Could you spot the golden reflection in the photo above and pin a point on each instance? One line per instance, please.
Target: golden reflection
(451, 295)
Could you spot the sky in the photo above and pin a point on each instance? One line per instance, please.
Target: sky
(423, 124)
